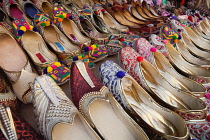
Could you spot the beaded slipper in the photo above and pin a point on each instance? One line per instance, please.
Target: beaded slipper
(57, 116)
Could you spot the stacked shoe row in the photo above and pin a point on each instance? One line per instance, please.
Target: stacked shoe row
(158, 90)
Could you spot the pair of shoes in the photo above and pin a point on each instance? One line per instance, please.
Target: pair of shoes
(62, 119)
(157, 121)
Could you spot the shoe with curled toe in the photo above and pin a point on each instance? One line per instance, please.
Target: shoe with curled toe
(94, 100)
(157, 121)
(57, 117)
(184, 103)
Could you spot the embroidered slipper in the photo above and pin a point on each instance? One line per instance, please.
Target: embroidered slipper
(44, 60)
(140, 105)
(57, 117)
(14, 10)
(29, 8)
(60, 44)
(93, 99)
(66, 24)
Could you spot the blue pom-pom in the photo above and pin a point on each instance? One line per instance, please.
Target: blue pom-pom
(179, 37)
(70, 17)
(130, 44)
(61, 62)
(45, 70)
(75, 58)
(120, 74)
(35, 29)
(86, 49)
(173, 17)
(200, 19)
(20, 32)
(81, 18)
(179, 30)
(193, 15)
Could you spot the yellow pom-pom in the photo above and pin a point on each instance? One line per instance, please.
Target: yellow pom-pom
(49, 69)
(93, 46)
(175, 40)
(58, 64)
(47, 23)
(64, 14)
(23, 28)
(55, 8)
(80, 57)
(31, 27)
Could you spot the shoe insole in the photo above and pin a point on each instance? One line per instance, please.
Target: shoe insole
(150, 116)
(194, 49)
(12, 57)
(30, 10)
(140, 11)
(109, 124)
(121, 19)
(47, 8)
(184, 65)
(108, 21)
(136, 14)
(165, 71)
(58, 40)
(130, 18)
(73, 32)
(163, 93)
(16, 12)
(36, 48)
(76, 131)
(188, 56)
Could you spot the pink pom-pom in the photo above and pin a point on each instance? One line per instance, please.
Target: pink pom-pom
(27, 27)
(54, 66)
(184, 25)
(90, 48)
(102, 10)
(11, 2)
(207, 96)
(67, 15)
(165, 41)
(153, 49)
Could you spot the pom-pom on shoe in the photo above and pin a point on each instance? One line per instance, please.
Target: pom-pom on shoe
(140, 105)
(94, 99)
